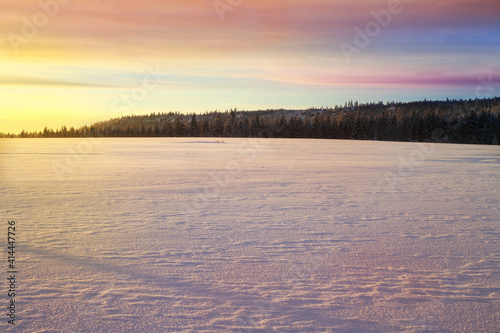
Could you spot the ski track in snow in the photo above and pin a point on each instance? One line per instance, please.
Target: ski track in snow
(252, 235)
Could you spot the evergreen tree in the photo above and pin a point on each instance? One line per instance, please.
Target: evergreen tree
(179, 129)
(255, 126)
(205, 129)
(193, 126)
(217, 127)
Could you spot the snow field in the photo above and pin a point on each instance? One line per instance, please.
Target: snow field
(253, 235)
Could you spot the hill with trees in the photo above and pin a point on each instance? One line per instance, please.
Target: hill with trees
(454, 121)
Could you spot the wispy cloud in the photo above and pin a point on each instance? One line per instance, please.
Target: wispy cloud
(100, 45)
(30, 81)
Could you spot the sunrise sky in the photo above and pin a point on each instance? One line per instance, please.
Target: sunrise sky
(75, 62)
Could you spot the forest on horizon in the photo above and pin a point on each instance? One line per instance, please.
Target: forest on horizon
(453, 121)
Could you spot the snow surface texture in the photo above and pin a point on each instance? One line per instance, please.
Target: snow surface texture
(251, 235)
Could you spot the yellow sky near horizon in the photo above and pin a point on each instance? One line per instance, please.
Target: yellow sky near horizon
(72, 62)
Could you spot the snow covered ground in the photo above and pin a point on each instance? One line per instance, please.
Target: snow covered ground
(249, 235)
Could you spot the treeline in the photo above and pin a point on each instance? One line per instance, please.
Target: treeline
(455, 121)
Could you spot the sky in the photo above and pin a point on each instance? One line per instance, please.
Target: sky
(76, 62)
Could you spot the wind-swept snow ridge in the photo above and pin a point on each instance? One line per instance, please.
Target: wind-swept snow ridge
(252, 235)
